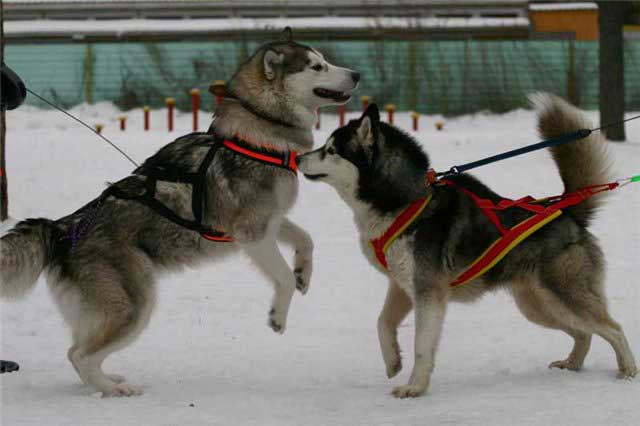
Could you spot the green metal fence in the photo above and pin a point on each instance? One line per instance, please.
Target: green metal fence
(448, 77)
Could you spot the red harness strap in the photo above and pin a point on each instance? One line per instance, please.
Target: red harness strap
(545, 211)
(286, 159)
(408, 215)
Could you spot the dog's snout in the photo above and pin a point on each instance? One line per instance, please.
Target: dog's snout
(355, 76)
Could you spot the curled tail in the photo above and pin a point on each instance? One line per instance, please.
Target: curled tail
(24, 253)
(581, 163)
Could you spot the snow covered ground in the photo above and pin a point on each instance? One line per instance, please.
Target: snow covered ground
(208, 356)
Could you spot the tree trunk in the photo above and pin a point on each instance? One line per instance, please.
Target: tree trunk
(612, 15)
(4, 196)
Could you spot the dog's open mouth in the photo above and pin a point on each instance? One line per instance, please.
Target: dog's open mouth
(332, 94)
(315, 177)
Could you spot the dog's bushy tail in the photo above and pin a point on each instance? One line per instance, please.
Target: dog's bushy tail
(581, 163)
(24, 253)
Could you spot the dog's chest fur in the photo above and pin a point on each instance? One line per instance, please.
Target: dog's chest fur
(399, 255)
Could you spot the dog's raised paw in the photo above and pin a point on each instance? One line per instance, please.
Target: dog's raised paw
(302, 279)
(407, 391)
(276, 324)
(394, 369)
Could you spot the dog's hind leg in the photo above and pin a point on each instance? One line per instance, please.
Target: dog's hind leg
(396, 307)
(291, 233)
(429, 309)
(104, 318)
(577, 277)
(548, 311)
(268, 258)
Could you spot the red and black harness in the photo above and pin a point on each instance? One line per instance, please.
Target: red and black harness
(198, 181)
(543, 211)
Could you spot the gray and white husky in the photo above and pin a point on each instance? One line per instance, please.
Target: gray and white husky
(104, 282)
(556, 276)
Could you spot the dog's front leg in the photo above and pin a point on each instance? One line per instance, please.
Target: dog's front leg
(268, 258)
(429, 308)
(291, 233)
(396, 307)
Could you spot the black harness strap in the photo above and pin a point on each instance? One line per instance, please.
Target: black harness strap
(198, 181)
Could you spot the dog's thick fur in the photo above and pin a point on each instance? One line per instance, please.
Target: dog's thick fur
(105, 287)
(556, 276)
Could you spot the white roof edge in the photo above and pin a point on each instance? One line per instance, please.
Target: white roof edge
(123, 27)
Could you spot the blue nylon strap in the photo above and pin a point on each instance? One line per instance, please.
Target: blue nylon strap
(582, 133)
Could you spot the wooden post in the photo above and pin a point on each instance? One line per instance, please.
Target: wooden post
(390, 110)
(415, 117)
(439, 125)
(318, 119)
(195, 107)
(146, 110)
(4, 195)
(123, 123)
(341, 111)
(171, 103)
(365, 102)
(99, 128)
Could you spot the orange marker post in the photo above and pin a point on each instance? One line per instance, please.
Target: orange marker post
(195, 107)
(415, 116)
(123, 122)
(341, 111)
(171, 103)
(365, 102)
(99, 128)
(146, 110)
(390, 110)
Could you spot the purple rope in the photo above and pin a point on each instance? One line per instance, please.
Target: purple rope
(78, 230)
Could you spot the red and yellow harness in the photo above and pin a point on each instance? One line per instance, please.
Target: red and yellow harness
(544, 211)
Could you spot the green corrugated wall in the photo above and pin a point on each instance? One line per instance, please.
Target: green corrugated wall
(448, 77)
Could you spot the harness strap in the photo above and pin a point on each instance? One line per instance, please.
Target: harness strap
(545, 211)
(514, 236)
(402, 222)
(285, 160)
(198, 181)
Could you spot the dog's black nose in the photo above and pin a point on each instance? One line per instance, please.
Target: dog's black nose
(355, 76)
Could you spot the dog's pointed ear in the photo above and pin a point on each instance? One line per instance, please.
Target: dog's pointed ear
(369, 124)
(287, 34)
(373, 113)
(270, 60)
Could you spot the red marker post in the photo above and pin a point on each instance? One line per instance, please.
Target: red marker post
(217, 89)
(171, 103)
(123, 122)
(341, 111)
(365, 102)
(195, 107)
(390, 110)
(146, 110)
(415, 117)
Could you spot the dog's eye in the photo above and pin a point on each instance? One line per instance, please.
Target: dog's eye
(317, 67)
(331, 151)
